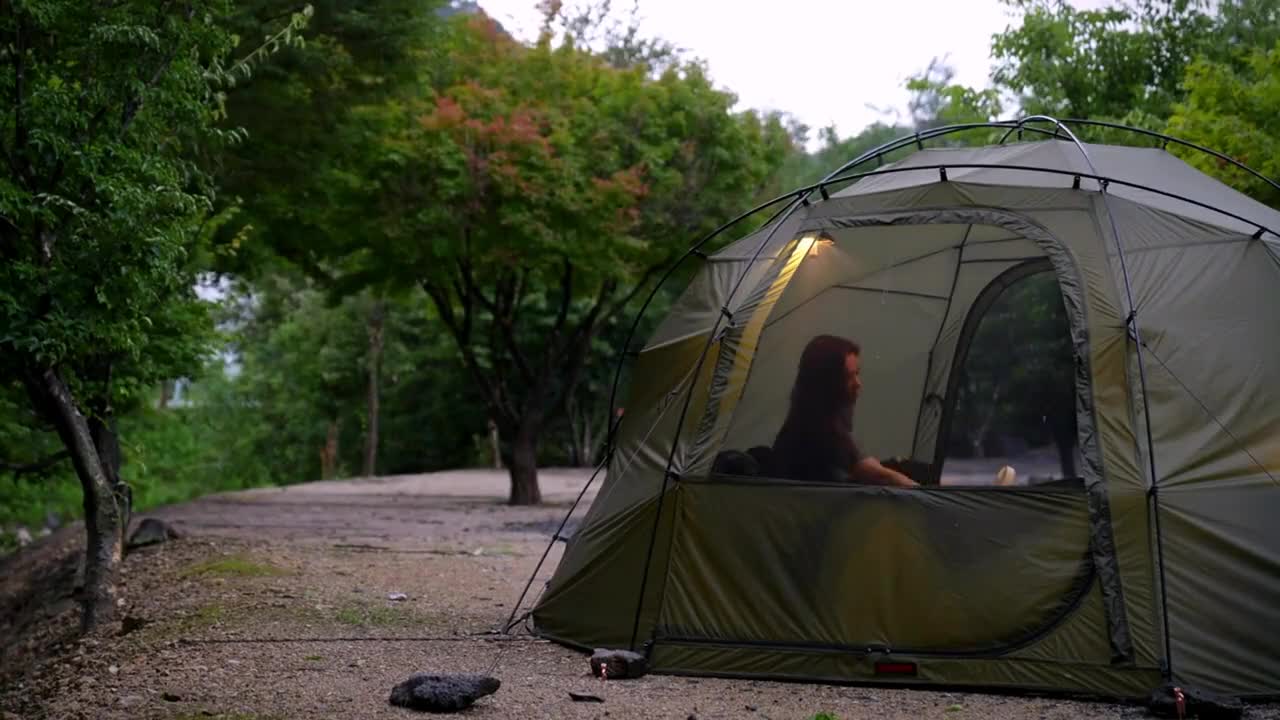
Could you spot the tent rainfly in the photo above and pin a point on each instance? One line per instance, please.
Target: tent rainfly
(1143, 550)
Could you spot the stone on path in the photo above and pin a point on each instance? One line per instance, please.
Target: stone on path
(618, 664)
(151, 532)
(442, 693)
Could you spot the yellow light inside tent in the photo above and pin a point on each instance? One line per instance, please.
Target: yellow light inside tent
(818, 242)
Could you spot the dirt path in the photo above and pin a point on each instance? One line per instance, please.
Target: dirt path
(275, 605)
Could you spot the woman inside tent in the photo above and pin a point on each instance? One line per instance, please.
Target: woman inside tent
(816, 440)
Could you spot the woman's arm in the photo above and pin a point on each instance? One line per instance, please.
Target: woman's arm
(869, 470)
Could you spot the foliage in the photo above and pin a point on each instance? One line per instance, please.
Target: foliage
(1125, 61)
(501, 201)
(937, 101)
(1237, 112)
(1018, 378)
(1069, 62)
(100, 215)
(292, 112)
(300, 366)
(531, 191)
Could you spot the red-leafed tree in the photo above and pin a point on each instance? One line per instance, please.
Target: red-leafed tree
(532, 192)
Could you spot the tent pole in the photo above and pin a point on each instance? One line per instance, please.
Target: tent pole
(712, 337)
(609, 445)
(1162, 137)
(1132, 322)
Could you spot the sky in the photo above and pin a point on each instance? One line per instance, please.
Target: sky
(827, 62)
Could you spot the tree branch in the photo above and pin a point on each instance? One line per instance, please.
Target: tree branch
(19, 469)
(19, 77)
(287, 13)
(626, 299)
(497, 397)
(566, 295)
(134, 104)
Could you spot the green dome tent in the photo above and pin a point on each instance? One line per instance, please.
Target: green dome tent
(1155, 557)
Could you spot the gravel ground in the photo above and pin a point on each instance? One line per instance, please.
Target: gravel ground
(275, 605)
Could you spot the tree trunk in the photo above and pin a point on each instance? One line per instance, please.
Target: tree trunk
(524, 465)
(329, 453)
(106, 440)
(166, 394)
(587, 454)
(1064, 436)
(376, 318)
(575, 430)
(496, 443)
(103, 517)
(978, 438)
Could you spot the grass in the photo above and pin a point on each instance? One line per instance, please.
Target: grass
(376, 616)
(170, 456)
(313, 658)
(205, 616)
(233, 566)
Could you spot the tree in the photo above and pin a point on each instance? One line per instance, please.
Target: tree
(357, 52)
(1127, 61)
(530, 192)
(1018, 377)
(937, 101)
(1104, 63)
(1234, 111)
(100, 214)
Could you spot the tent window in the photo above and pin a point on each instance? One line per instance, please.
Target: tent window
(1012, 395)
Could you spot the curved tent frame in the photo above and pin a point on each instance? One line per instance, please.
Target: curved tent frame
(800, 197)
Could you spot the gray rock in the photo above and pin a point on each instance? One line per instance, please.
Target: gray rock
(1198, 703)
(52, 521)
(23, 536)
(152, 532)
(619, 664)
(442, 693)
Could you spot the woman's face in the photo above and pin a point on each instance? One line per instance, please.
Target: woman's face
(852, 368)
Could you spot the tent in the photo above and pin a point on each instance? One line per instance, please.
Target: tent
(1155, 558)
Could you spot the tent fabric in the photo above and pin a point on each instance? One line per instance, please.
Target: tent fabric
(1051, 585)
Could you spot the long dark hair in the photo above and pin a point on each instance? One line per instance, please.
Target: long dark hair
(818, 429)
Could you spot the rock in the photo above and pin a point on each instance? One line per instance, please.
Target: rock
(23, 536)
(618, 664)
(170, 696)
(52, 521)
(397, 596)
(152, 532)
(442, 693)
(1198, 703)
(132, 623)
(132, 700)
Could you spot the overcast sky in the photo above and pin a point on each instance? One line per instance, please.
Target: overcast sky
(824, 61)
